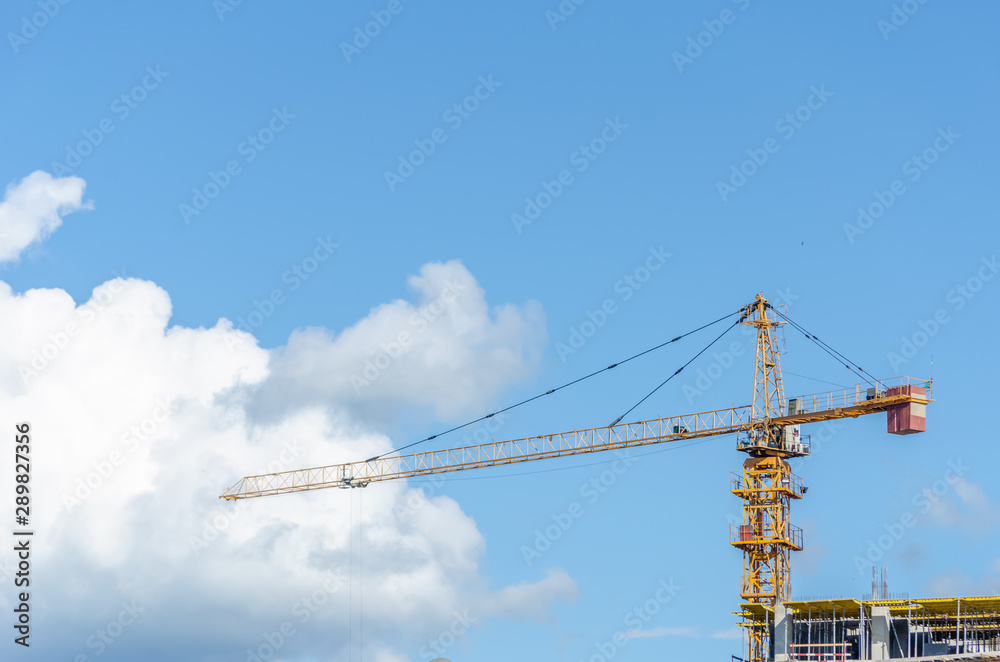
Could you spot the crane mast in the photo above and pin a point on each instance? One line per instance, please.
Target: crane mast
(767, 484)
(767, 430)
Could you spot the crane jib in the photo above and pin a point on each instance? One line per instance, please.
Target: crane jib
(860, 400)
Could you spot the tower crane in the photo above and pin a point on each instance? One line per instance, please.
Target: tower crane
(767, 431)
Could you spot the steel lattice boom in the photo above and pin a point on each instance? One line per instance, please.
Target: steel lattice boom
(852, 402)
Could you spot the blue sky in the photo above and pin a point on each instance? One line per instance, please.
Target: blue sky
(630, 136)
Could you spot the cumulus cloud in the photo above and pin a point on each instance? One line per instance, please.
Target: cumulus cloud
(447, 351)
(33, 208)
(972, 512)
(531, 599)
(139, 425)
(957, 583)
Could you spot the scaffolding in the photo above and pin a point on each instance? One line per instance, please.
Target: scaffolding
(884, 629)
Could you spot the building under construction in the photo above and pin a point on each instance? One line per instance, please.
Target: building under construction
(881, 629)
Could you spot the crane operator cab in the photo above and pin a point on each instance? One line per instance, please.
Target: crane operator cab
(785, 441)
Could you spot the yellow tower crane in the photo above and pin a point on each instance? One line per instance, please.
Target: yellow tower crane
(767, 430)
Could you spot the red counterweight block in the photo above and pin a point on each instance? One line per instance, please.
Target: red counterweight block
(909, 417)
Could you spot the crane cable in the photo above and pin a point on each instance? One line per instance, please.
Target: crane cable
(350, 584)
(559, 388)
(822, 381)
(663, 383)
(361, 578)
(850, 365)
(678, 371)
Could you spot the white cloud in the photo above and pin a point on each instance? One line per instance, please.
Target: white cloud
(731, 633)
(33, 208)
(138, 426)
(972, 511)
(448, 351)
(531, 600)
(957, 583)
(972, 494)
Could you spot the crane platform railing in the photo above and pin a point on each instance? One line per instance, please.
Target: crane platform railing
(867, 397)
(790, 485)
(749, 534)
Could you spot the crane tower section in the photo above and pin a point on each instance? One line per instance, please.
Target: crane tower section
(767, 485)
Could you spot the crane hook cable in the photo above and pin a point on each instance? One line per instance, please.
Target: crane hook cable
(850, 365)
(558, 388)
(663, 383)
